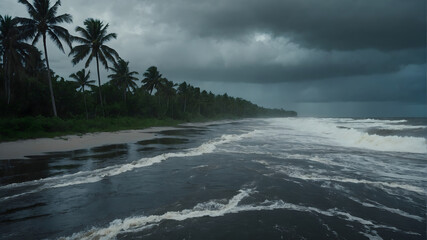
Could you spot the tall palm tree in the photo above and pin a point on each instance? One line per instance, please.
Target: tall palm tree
(152, 78)
(166, 89)
(82, 78)
(44, 21)
(93, 39)
(183, 90)
(123, 77)
(15, 52)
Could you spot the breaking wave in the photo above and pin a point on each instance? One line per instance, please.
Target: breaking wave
(347, 136)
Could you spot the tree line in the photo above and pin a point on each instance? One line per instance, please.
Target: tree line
(31, 88)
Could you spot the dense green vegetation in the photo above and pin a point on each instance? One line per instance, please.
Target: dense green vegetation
(35, 127)
(128, 100)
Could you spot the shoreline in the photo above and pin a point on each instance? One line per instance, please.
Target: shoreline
(25, 148)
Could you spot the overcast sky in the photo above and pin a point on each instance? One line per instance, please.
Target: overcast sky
(320, 58)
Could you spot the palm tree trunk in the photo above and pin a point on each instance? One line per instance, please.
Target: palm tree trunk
(84, 98)
(8, 83)
(6, 78)
(167, 105)
(52, 97)
(99, 85)
(172, 107)
(5, 75)
(124, 94)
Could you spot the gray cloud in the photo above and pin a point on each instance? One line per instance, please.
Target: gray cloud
(332, 24)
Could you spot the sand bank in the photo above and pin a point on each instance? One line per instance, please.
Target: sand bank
(31, 147)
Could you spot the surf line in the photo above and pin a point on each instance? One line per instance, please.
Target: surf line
(97, 175)
(216, 208)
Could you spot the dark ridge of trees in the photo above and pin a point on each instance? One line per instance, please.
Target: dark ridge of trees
(78, 97)
(25, 91)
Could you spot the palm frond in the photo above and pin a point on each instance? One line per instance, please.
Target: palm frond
(84, 32)
(67, 18)
(79, 39)
(36, 38)
(103, 60)
(108, 54)
(55, 40)
(62, 33)
(30, 8)
(89, 60)
(54, 9)
(108, 37)
(79, 53)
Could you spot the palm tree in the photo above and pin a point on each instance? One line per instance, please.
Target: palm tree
(82, 78)
(16, 53)
(183, 90)
(93, 39)
(44, 21)
(152, 78)
(122, 77)
(167, 89)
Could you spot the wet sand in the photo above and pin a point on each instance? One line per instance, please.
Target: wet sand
(31, 147)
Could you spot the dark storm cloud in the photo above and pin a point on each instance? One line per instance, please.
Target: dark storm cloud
(330, 24)
(348, 37)
(318, 67)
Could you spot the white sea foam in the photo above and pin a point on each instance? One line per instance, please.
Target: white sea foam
(388, 209)
(84, 177)
(214, 208)
(316, 176)
(331, 133)
(360, 181)
(377, 124)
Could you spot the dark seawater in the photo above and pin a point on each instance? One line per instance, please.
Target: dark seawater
(291, 178)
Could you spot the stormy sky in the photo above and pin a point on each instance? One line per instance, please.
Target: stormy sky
(356, 58)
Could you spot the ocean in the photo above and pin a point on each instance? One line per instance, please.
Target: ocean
(273, 178)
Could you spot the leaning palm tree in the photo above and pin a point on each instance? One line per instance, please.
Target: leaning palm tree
(152, 78)
(44, 21)
(15, 52)
(82, 78)
(93, 39)
(123, 77)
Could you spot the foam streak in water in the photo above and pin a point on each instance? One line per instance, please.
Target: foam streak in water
(359, 181)
(388, 209)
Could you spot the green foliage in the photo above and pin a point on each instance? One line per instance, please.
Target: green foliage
(35, 127)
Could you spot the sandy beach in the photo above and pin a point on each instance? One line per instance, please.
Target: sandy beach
(31, 147)
(22, 149)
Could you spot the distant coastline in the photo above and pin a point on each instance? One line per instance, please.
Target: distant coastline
(27, 143)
